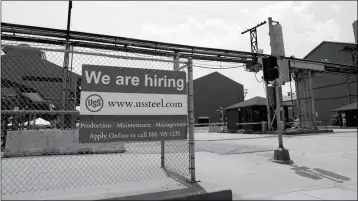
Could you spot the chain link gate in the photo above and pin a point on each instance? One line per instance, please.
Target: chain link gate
(40, 104)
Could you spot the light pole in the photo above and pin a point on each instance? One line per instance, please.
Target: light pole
(281, 155)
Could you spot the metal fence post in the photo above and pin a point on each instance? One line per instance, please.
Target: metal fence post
(191, 120)
(162, 159)
(162, 146)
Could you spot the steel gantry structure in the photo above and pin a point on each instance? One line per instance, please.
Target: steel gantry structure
(25, 33)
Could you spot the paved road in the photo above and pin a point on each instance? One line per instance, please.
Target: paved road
(325, 167)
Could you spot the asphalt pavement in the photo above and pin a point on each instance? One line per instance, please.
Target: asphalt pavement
(325, 165)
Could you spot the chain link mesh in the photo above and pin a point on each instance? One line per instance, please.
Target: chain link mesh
(33, 80)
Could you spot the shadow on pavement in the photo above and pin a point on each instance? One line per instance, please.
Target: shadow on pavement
(318, 174)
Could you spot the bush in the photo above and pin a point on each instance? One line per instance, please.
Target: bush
(336, 120)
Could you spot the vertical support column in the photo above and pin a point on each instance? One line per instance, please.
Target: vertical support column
(191, 120)
(306, 103)
(312, 101)
(283, 117)
(298, 97)
(292, 107)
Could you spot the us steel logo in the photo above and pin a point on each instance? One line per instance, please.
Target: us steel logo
(94, 103)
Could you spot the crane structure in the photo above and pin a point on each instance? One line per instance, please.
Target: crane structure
(25, 33)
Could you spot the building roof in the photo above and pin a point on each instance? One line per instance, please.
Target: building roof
(352, 106)
(256, 101)
(215, 74)
(325, 42)
(31, 69)
(14, 94)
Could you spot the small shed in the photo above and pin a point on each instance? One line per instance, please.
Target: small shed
(350, 113)
(252, 112)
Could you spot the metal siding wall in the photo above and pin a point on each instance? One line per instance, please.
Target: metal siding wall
(330, 90)
(232, 119)
(324, 79)
(324, 108)
(214, 91)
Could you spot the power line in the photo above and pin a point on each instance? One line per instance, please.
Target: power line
(257, 79)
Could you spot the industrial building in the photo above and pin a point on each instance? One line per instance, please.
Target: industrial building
(250, 114)
(213, 91)
(330, 91)
(30, 82)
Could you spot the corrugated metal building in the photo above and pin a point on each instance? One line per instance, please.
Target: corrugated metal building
(30, 68)
(330, 91)
(214, 91)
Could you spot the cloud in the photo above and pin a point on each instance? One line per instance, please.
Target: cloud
(335, 8)
(302, 32)
(211, 32)
(244, 10)
(209, 24)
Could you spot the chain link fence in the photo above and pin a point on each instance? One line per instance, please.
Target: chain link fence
(40, 121)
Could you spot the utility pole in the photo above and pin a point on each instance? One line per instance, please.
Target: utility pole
(281, 155)
(255, 49)
(65, 70)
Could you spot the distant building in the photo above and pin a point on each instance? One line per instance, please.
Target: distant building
(250, 111)
(212, 92)
(331, 91)
(26, 75)
(31, 69)
(349, 113)
(292, 112)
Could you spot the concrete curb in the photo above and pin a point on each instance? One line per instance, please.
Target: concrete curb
(183, 194)
(301, 132)
(80, 152)
(194, 191)
(54, 142)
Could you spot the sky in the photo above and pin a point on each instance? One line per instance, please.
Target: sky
(215, 24)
